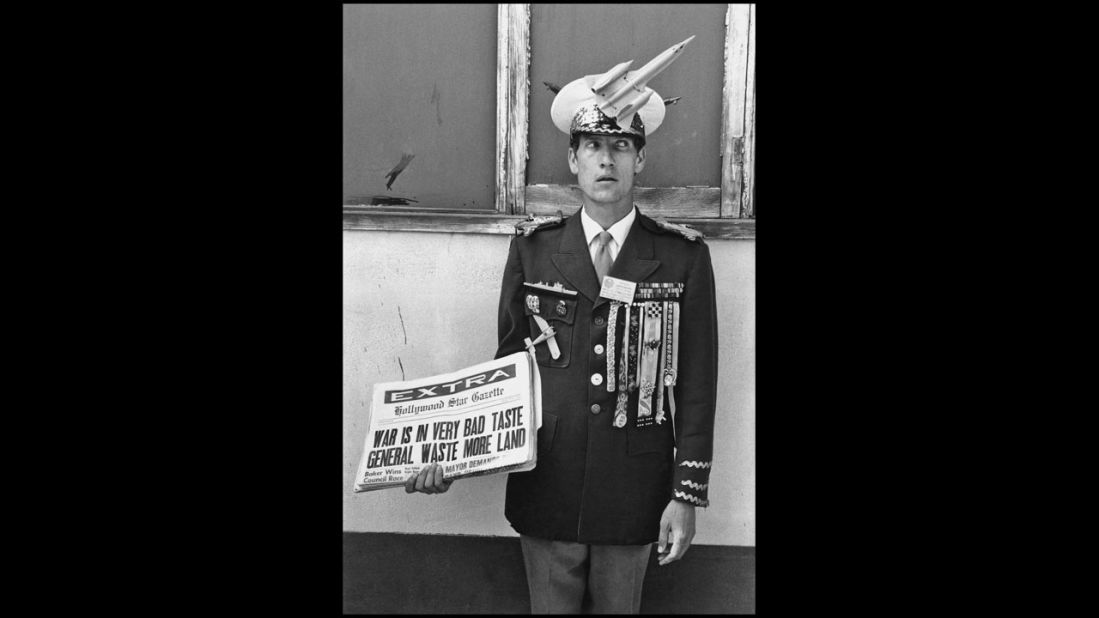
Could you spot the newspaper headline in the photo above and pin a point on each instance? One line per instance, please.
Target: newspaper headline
(477, 420)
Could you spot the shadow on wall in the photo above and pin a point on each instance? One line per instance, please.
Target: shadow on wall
(440, 574)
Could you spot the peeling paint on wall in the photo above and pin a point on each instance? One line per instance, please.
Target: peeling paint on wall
(392, 174)
(385, 200)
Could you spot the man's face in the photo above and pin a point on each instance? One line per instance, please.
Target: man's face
(605, 166)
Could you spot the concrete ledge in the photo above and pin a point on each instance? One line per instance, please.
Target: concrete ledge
(442, 574)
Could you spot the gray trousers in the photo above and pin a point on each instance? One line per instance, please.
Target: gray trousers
(559, 572)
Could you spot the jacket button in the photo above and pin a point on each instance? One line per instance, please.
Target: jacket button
(599, 320)
(597, 378)
(595, 408)
(598, 348)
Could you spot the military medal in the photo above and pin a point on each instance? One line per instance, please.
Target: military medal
(623, 374)
(650, 356)
(659, 291)
(532, 303)
(620, 420)
(620, 405)
(612, 324)
(624, 365)
(633, 343)
(671, 355)
(661, 357)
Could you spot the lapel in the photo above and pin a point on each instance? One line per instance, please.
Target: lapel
(573, 261)
(635, 259)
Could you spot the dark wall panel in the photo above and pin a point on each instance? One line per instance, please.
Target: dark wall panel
(419, 79)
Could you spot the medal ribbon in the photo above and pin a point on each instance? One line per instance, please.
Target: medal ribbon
(671, 361)
(612, 324)
(662, 356)
(650, 359)
(623, 374)
(634, 342)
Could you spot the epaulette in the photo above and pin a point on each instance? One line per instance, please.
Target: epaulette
(532, 224)
(683, 230)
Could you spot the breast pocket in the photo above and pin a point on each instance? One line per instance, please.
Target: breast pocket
(652, 439)
(558, 313)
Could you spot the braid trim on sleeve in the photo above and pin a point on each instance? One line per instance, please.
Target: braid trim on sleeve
(692, 499)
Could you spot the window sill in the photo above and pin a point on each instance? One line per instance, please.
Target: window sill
(489, 222)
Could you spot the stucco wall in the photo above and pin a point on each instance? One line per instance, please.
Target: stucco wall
(417, 304)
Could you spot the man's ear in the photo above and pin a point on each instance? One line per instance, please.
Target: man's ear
(573, 165)
(639, 164)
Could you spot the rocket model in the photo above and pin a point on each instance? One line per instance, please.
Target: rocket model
(619, 93)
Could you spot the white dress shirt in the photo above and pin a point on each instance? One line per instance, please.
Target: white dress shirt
(619, 231)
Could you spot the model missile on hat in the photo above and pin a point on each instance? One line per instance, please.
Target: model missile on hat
(618, 71)
(620, 93)
(617, 102)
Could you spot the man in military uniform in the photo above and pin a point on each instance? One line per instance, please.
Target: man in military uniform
(628, 380)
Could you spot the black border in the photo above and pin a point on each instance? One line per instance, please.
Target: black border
(846, 409)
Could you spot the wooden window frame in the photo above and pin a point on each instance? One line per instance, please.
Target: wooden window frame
(725, 212)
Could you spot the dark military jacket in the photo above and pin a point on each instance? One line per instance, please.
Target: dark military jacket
(595, 483)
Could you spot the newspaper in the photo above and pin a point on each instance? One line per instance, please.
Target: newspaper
(478, 420)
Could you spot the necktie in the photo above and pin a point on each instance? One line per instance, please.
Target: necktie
(603, 256)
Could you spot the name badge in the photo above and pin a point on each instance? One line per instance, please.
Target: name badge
(618, 289)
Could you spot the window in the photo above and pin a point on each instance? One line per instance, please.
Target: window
(716, 193)
(418, 105)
